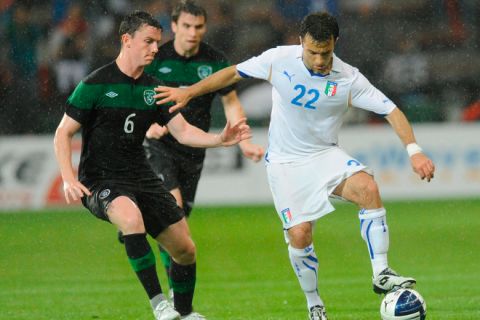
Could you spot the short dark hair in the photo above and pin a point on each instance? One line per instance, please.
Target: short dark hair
(321, 26)
(135, 20)
(188, 6)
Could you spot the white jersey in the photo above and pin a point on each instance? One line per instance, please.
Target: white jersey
(308, 108)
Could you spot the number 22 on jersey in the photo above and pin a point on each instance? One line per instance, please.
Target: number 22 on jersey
(311, 96)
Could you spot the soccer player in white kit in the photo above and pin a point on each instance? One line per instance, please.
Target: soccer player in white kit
(312, 89)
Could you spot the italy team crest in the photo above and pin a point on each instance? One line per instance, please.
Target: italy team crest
(204, 71)
(286, 215)
(331, 88)
(148, 97)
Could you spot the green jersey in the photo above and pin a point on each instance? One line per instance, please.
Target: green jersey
(115, 112)
(178, 71)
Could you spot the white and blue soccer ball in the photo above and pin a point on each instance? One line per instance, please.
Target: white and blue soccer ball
(403, 304)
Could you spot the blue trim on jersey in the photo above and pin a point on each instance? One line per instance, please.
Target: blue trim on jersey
(243, 74)
(370, 249)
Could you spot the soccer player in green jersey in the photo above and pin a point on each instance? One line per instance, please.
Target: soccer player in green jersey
(179, 63)
(114, 107)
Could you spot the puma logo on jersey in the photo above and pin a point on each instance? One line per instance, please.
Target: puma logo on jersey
(288, 76)
(111, 94)
(165, 70)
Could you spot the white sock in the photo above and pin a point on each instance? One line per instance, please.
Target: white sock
(305, 264)
(374, 230)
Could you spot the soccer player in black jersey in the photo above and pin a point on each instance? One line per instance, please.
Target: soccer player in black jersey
(183, 62)
(114, 107)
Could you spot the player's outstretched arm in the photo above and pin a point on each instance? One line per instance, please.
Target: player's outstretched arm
(181, 96)
(233, 112)
(421, 164)
(62, 142)
(192, 136)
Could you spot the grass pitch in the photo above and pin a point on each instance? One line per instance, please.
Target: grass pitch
(68, 265)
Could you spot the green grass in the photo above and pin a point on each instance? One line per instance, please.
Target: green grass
(68, 265)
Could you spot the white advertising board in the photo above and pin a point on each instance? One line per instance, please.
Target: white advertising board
(454, 148)
(29, 176)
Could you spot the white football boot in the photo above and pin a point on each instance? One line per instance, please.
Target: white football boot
(165, 311)
(318, 313)
(388, 280)
(193, 316)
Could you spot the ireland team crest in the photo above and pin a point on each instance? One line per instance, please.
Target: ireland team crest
(204, 71)
(331, 88)
(148, 97)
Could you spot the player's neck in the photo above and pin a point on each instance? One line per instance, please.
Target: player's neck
(127, 67)
(185, 53)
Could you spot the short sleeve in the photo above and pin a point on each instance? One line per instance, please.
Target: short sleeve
(365, 96)
(257, 67)
(81, 102)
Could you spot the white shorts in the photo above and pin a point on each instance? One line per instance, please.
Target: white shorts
(301, 189)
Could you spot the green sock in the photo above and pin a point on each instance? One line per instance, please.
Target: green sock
(165, 258)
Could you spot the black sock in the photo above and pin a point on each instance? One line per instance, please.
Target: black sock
(183, 283)
(142, 260)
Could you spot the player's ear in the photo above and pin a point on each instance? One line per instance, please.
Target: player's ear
(125, 39)
(174, 26)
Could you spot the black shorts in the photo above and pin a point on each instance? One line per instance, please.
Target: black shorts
(158, 207)
(176, 170)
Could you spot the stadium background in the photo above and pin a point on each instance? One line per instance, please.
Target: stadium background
(424, 54)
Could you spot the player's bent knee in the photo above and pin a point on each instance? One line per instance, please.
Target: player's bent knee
(300, 236)
(369, 195)
(371, 188)
(131, 224)
(185, 253)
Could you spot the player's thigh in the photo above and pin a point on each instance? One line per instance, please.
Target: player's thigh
(177, 194)
(360, 189)
(103, 195)
(124, 213)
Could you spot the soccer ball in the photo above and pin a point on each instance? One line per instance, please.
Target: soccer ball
(403, 304)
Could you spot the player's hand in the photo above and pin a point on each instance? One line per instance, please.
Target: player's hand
(156, 131)
(74, 190)
(423, 166)
(252, 151)
(180, 96)
(234, 134)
